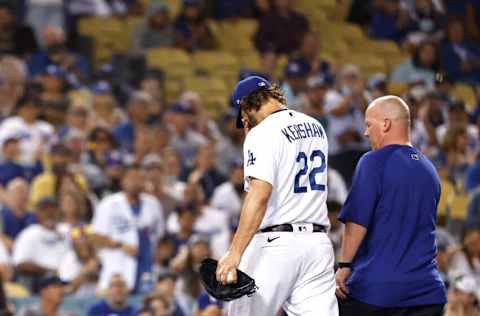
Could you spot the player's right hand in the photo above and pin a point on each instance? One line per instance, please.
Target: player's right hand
(341, 278)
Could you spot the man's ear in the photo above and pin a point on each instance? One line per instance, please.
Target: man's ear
(387, 125)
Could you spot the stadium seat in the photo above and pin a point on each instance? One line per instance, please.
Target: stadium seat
(397, 88)
(176, 62)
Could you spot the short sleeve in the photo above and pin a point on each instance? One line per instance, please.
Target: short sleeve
(362, 200)
(22, 248)
(100, 222)
(258, 157)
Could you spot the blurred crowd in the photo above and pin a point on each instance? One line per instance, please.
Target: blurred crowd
(112, 197)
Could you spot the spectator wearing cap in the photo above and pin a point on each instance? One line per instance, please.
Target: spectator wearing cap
(205, 172)
(309, 53)
(15, 215)
(281, 28)
(13, 73)
(345, 110)
(126, 225)
(39, 249)
(56, 53)
(389, 20)
(51, 291)
(183, 138)
(78, 122)
(463, 297)
(208, 306)
(10, 168)
(155, 31)
(137, 107)
(229, 146)
(423, 65)
(35, 135)
(295, 75)
(228, 196)
(53, 180)
(80, 266)
(312, 102)
(106, 112)
(101, 162)
(155, 182)
(377, 86)
(55, 82)
(17, 39)
(115, 302)
(191, 28)
(459, 57)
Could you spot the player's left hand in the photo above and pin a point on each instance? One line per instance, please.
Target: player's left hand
(227, 268)
(341, 278)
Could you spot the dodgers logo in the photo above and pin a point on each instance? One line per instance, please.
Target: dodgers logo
(251, 159)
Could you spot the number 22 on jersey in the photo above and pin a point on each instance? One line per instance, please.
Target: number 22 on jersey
(315, 157)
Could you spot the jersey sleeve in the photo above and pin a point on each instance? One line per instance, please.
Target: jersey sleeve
(258, 158)
(22, 248)
(101, 223)
(364, 194)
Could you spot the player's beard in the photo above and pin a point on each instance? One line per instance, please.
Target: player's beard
(252, 121)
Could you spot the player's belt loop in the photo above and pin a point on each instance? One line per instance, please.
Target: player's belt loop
(297, 228)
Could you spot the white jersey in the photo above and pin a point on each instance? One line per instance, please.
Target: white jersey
(289, 149)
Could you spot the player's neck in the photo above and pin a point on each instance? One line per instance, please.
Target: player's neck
(268, 108)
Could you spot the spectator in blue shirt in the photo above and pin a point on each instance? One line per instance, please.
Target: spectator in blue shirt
(115, 302)
(137, 107)
(458, 57)
(389, 21)
(56, 53)
(387, 263)
(11, 169)
(14, 214)
(191, 28)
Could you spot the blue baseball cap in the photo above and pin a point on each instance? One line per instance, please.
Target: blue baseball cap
(182, 107)
(55, 71)
(101, 87)
(297, 69)
(244, 88)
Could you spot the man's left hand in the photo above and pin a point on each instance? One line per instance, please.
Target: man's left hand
(341, 278)
(227, 268)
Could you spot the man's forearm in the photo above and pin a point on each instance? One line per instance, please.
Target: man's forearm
(352, 239)
(251, 216)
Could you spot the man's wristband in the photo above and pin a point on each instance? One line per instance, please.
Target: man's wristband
(344, 265)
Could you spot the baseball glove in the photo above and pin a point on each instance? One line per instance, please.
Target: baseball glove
(245, 284)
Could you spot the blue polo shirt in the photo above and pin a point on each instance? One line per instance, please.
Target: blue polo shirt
(102, 308)
(394, 195)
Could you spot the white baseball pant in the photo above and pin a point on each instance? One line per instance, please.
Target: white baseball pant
(294, 271)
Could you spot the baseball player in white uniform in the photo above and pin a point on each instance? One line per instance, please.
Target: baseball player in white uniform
(281, 240)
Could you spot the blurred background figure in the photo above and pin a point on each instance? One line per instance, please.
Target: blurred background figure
(115, 301)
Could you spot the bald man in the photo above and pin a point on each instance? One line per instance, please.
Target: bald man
(387, 263)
